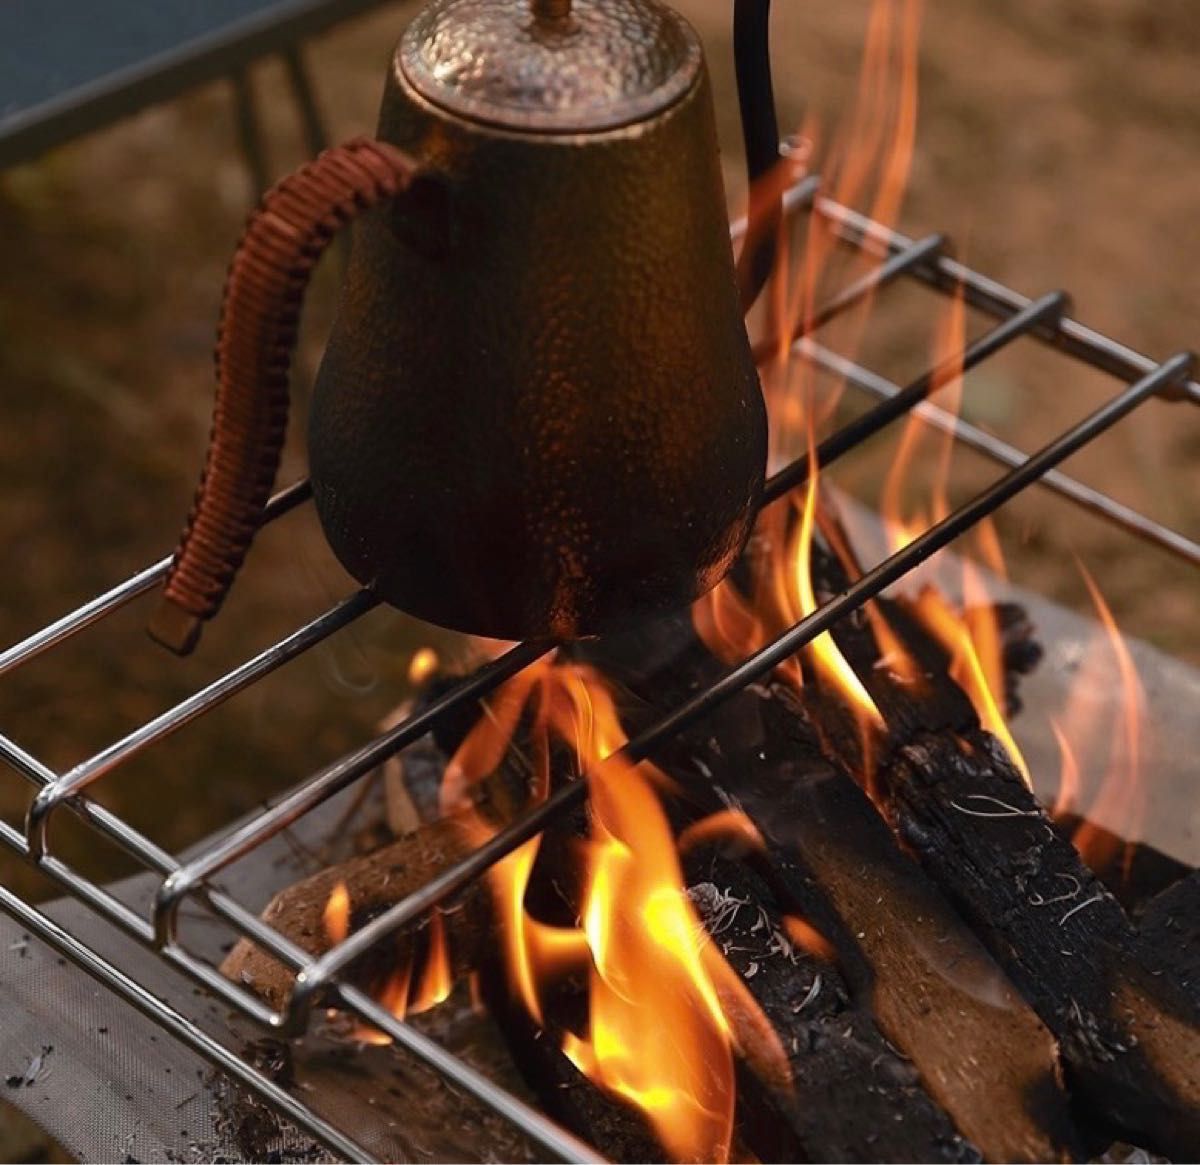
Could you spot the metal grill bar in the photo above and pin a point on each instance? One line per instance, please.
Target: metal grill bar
(1049, 307)
(314, 979)
(331, 780)
(545, 1132)
(925, 260)
(52, 796)
(182, 1029)
(95, 610)
(1002, 453)
(946, 274)
(900, 263)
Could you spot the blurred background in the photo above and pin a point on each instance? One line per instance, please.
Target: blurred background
(1057, 143)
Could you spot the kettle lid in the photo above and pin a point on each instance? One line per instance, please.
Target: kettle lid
(550, 66)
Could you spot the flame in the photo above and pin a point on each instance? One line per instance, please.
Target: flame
(867, 164)
(422, 666)
(658, 1032)
(970, 633)
(806, 936)
(727, 825)
(733, 625)
(982, 681)
(829, 659)
(1068, 777)
(437, 982)
(400, 992)
(336, 916)
(1119, 802)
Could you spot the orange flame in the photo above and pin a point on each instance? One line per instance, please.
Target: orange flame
(971, 635)
(829, 659)
(808, 938)
(982, 681)
(1119, 802)
(1068, 779)
(651, 970)
(437, 981)
(732, 626)
(727, 825)
(398, 993)
(422, 666)
(336, 915)
(867, 163)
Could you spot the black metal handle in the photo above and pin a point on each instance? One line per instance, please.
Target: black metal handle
(760, 134)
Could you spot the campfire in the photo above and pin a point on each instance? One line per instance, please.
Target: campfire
(661, 960)
(766, 878)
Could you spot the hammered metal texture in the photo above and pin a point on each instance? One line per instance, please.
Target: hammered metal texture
(607, 64)
(555, 426)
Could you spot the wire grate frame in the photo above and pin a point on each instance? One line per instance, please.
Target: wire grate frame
(926, 261)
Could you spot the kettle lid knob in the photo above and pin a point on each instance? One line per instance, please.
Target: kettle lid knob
(551, 66)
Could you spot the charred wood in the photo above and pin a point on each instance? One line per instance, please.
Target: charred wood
(1130, 1040)
(937, 996)
(373, 883)
(851, 1096)
(1134, 872)
(1170, 930)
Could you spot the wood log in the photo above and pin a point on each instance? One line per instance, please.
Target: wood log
(1128, 1038)
(373, 883)
(1170, 929)
(981, 1052)
(851, 1097)
(1134, 871)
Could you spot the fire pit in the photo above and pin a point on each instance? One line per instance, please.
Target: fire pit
(812, 732)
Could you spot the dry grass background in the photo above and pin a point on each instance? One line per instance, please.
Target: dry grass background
(1058, 143)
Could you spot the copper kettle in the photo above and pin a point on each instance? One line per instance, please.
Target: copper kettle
(537, 414)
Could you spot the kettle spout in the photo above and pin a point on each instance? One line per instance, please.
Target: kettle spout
(260, 314)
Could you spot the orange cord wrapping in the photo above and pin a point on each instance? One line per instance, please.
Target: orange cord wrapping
(260, 313)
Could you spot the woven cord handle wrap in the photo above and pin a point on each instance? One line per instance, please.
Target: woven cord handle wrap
(260, 313)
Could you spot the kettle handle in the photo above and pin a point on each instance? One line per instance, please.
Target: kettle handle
(760, 137)
(260, 313)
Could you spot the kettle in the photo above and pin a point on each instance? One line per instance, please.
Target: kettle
(537, 413)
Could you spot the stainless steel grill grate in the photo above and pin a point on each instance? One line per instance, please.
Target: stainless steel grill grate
(925, 260)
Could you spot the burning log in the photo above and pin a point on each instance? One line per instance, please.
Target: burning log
(956, 800)
(809, 1103)
(979, 1050)
(805, 1051)
(1128, 1037)
(834, 1049)
(1134, 872)
(322, 909)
